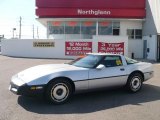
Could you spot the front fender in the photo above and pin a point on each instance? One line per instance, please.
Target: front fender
(73, 75)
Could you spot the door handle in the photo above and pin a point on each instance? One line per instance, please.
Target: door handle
(122, 69)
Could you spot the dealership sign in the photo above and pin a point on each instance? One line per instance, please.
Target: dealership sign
(77, 48)
(43, 44)
(114, 48)
(93, 12)
(91, 9)
(89, 13)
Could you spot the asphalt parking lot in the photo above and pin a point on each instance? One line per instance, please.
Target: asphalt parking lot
(103, 105)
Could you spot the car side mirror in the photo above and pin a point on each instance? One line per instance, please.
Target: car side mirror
(100, 67)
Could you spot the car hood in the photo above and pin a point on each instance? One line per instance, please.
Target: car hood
(43, 70)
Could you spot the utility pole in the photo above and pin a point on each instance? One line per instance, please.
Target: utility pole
(20, 25)
(33, 31)
(37, 33)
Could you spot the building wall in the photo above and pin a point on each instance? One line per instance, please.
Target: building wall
(129, 24)
(152, 23)
(151, 27)
(134, 46)
(130, 14)
(152, 46)
(124, 25)
(25, 48)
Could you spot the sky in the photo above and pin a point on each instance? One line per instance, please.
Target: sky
(10, 12)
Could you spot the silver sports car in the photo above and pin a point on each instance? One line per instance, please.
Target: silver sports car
(58, 82)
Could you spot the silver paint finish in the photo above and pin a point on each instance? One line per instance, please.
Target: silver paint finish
(109, 76)
(81, 85)
(148, 75)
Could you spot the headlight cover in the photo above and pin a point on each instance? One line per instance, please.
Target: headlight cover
(17, 81)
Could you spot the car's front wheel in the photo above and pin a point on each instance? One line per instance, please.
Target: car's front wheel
(134, 83)
(59, 91)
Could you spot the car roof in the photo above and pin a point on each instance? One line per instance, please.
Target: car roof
(102, 54)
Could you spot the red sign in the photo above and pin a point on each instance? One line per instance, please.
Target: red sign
(135, 4)
(115, 48)
(91, 8)
(77, 48)
(90, 13)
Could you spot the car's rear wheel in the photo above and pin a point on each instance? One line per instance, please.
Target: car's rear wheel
(134, 83)
(59, 91)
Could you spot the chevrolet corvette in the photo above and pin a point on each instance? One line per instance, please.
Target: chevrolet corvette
(58, 82)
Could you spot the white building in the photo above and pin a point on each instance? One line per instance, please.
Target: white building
(76, 27)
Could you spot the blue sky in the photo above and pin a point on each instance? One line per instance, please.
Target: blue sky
(10, 12)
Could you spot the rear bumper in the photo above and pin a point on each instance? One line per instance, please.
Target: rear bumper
(148, 75)
(27, 90)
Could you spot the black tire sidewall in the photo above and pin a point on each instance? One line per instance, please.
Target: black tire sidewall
(52, 84)
(129, 82)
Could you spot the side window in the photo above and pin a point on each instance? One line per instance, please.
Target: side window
(130, 61)
(112, 61)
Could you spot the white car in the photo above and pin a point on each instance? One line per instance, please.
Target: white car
(58, 82)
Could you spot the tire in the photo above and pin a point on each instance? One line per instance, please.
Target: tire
(59, 91)
(134, 83)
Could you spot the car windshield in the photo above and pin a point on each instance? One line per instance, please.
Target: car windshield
(87, 62)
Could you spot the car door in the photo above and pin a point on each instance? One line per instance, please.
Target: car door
(113, 74)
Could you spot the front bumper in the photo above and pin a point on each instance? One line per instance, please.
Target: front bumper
(148, 75)
(26, 90)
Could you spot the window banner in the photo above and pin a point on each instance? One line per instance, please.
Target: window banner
(57, 23)
(114, 48)
(77, 48)
(88, 23)
(72, 23)
(104, 23)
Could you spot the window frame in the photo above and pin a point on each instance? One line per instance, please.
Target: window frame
(134, 36)
(115, 60)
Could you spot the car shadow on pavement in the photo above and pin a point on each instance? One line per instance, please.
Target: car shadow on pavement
(92, 102)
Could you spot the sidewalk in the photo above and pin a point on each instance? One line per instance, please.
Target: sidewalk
(150, 61)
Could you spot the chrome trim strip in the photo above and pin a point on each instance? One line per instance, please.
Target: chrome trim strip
(100, 78)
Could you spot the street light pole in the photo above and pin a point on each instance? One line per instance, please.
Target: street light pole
(13, 31)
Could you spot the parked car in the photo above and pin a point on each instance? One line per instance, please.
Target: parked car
(58, 82)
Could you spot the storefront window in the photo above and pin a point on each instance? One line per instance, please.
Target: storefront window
(130, 33)
(83, 29)
(138, 34)
(134, 33)
(116, 25)
(116, 28)
(88, 28)
(108, 28)
(56, 27)
(72, 27)
(105, 28)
